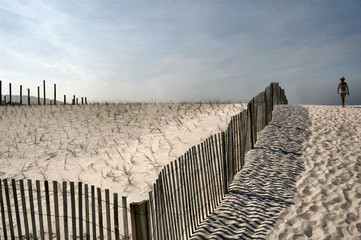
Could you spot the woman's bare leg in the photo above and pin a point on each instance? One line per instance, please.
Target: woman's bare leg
(343, 99)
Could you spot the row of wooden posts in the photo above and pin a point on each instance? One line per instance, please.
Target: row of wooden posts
(190, 188)
(75, 101)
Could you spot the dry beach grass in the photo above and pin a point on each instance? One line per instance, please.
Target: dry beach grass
(121, 146)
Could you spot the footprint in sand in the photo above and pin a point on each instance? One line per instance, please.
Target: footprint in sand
(307, 191)
(308, 229)
(350, 218)
(358, 226)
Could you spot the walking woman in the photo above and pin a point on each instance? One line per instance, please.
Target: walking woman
(343, 89)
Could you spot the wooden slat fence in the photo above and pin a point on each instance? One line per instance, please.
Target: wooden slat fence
(185, 193)
(191, 187)
(64, 210)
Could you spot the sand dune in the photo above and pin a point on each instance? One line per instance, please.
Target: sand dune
(302, 181)
(121, 147)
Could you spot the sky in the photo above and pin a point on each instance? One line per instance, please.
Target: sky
(172, 51)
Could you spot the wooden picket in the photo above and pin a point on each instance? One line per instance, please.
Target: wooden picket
(40, 214)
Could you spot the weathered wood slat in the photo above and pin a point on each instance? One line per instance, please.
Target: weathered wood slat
(32, 208)
(210, 175)
(161, 208)
(166, 198)
(143, 213)
(100, 214)
(9, 210)
(24, 207)
(175, 201)
(16, 205)
(56, 210)
(107, 209)
(94, 225)
(172, 199)
(87, 212)
(207, 202)
(2, 208)
(184, 196)
(116, 219)
(73, 209)
(125, 217)
(180, 203)
(198, 185)
(219, 165)
(195, 186)
(215, 169)
(191, 191)
(40, 210)
(48, 211)
(65, 210)
(80, 209)
(157, 208)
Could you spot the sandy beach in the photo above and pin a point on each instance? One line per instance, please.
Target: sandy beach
(328, 198)
(302, 180)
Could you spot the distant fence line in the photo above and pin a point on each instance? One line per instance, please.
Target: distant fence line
(68, 211)
(4, 101)
(190, 188)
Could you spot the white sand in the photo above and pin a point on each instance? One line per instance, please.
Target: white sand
(327, 204)
(302, 181)
(266, 184)
(121, 147)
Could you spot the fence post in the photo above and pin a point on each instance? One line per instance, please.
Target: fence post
(10, 93)
(125, 217)
(28, 96)
(139, 217)
(8, 203)
(2, 208)
(21, 94)
(271, 104)
(276, 93)
(54, 94)
(44, 92)
(64, 99)
(1, 93)
(250, 118)
(38, 95)
(224, 155)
